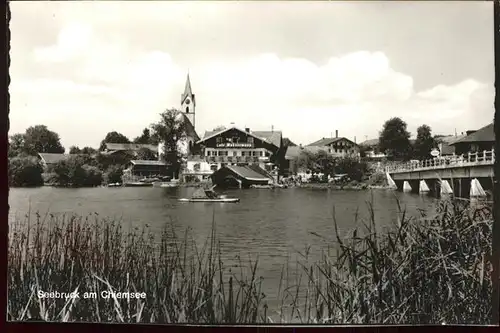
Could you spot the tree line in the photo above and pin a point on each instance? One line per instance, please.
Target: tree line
(88, 166)
(394, 141)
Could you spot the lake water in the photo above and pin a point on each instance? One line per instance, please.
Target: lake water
(270, 224)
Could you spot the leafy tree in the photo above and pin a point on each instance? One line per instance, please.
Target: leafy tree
(88, 151)
(104, 161)
(39, 139)
(145, 137)
(354, 169)
(74, 150)
(146, 154)
(16, 145)
(113, 174)
(25, 171)
(171, 129)
(424, 143)
(74, 172)
(320, 162)
(305, 160)
(113, 137)
(395, 139)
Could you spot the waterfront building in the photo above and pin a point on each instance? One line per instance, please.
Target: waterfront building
(138, 169)
(241, 176)
(476, 141)
(238, 147)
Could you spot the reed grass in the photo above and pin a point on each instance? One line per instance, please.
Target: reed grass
(422, 270)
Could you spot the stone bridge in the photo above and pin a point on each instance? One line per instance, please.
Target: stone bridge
(460, 175)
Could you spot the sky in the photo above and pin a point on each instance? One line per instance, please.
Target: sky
(84, 69)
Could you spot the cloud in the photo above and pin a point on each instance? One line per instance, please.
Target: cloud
(111, 85)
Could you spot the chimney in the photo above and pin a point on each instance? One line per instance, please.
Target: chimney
(247, 130)
(272, 128)
(354, 139)
(336, 133)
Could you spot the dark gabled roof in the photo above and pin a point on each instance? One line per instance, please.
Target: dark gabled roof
(50, 158)
(190, 130)
(485, 134)
(272, 137)
(246, 172)
(328, 141)
(148, 162)
(130, 146)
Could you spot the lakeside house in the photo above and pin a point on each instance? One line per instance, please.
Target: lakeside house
(476, 141)
(49, 159)
(236, 147)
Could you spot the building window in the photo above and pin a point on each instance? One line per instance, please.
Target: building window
(261, 153)
(187, 109)
(243, 153)
(219, 140)
(208, 153)
(197, 167)
(250, 139)
(213, 167)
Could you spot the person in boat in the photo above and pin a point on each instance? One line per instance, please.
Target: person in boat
(202, 193)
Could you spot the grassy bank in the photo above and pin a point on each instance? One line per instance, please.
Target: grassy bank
(425, 270)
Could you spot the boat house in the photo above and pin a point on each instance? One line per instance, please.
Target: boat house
(240, 176)
(138, 169)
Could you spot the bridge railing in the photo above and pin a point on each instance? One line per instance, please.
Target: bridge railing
(486, 157)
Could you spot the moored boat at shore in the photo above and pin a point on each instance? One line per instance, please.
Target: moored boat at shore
(208, 195)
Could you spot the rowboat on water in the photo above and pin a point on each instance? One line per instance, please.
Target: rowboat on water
(208, 195)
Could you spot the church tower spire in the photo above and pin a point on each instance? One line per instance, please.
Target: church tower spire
(188, 102)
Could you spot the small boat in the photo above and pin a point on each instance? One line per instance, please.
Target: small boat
(227, 200)
(114, 185)
(208, 195)
(138, 184)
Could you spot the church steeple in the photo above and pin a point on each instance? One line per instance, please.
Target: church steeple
(188, 102)
(187, 90)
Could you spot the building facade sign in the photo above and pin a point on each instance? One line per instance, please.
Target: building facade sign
(235, 145)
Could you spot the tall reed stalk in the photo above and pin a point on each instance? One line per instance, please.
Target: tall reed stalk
(422, 270)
